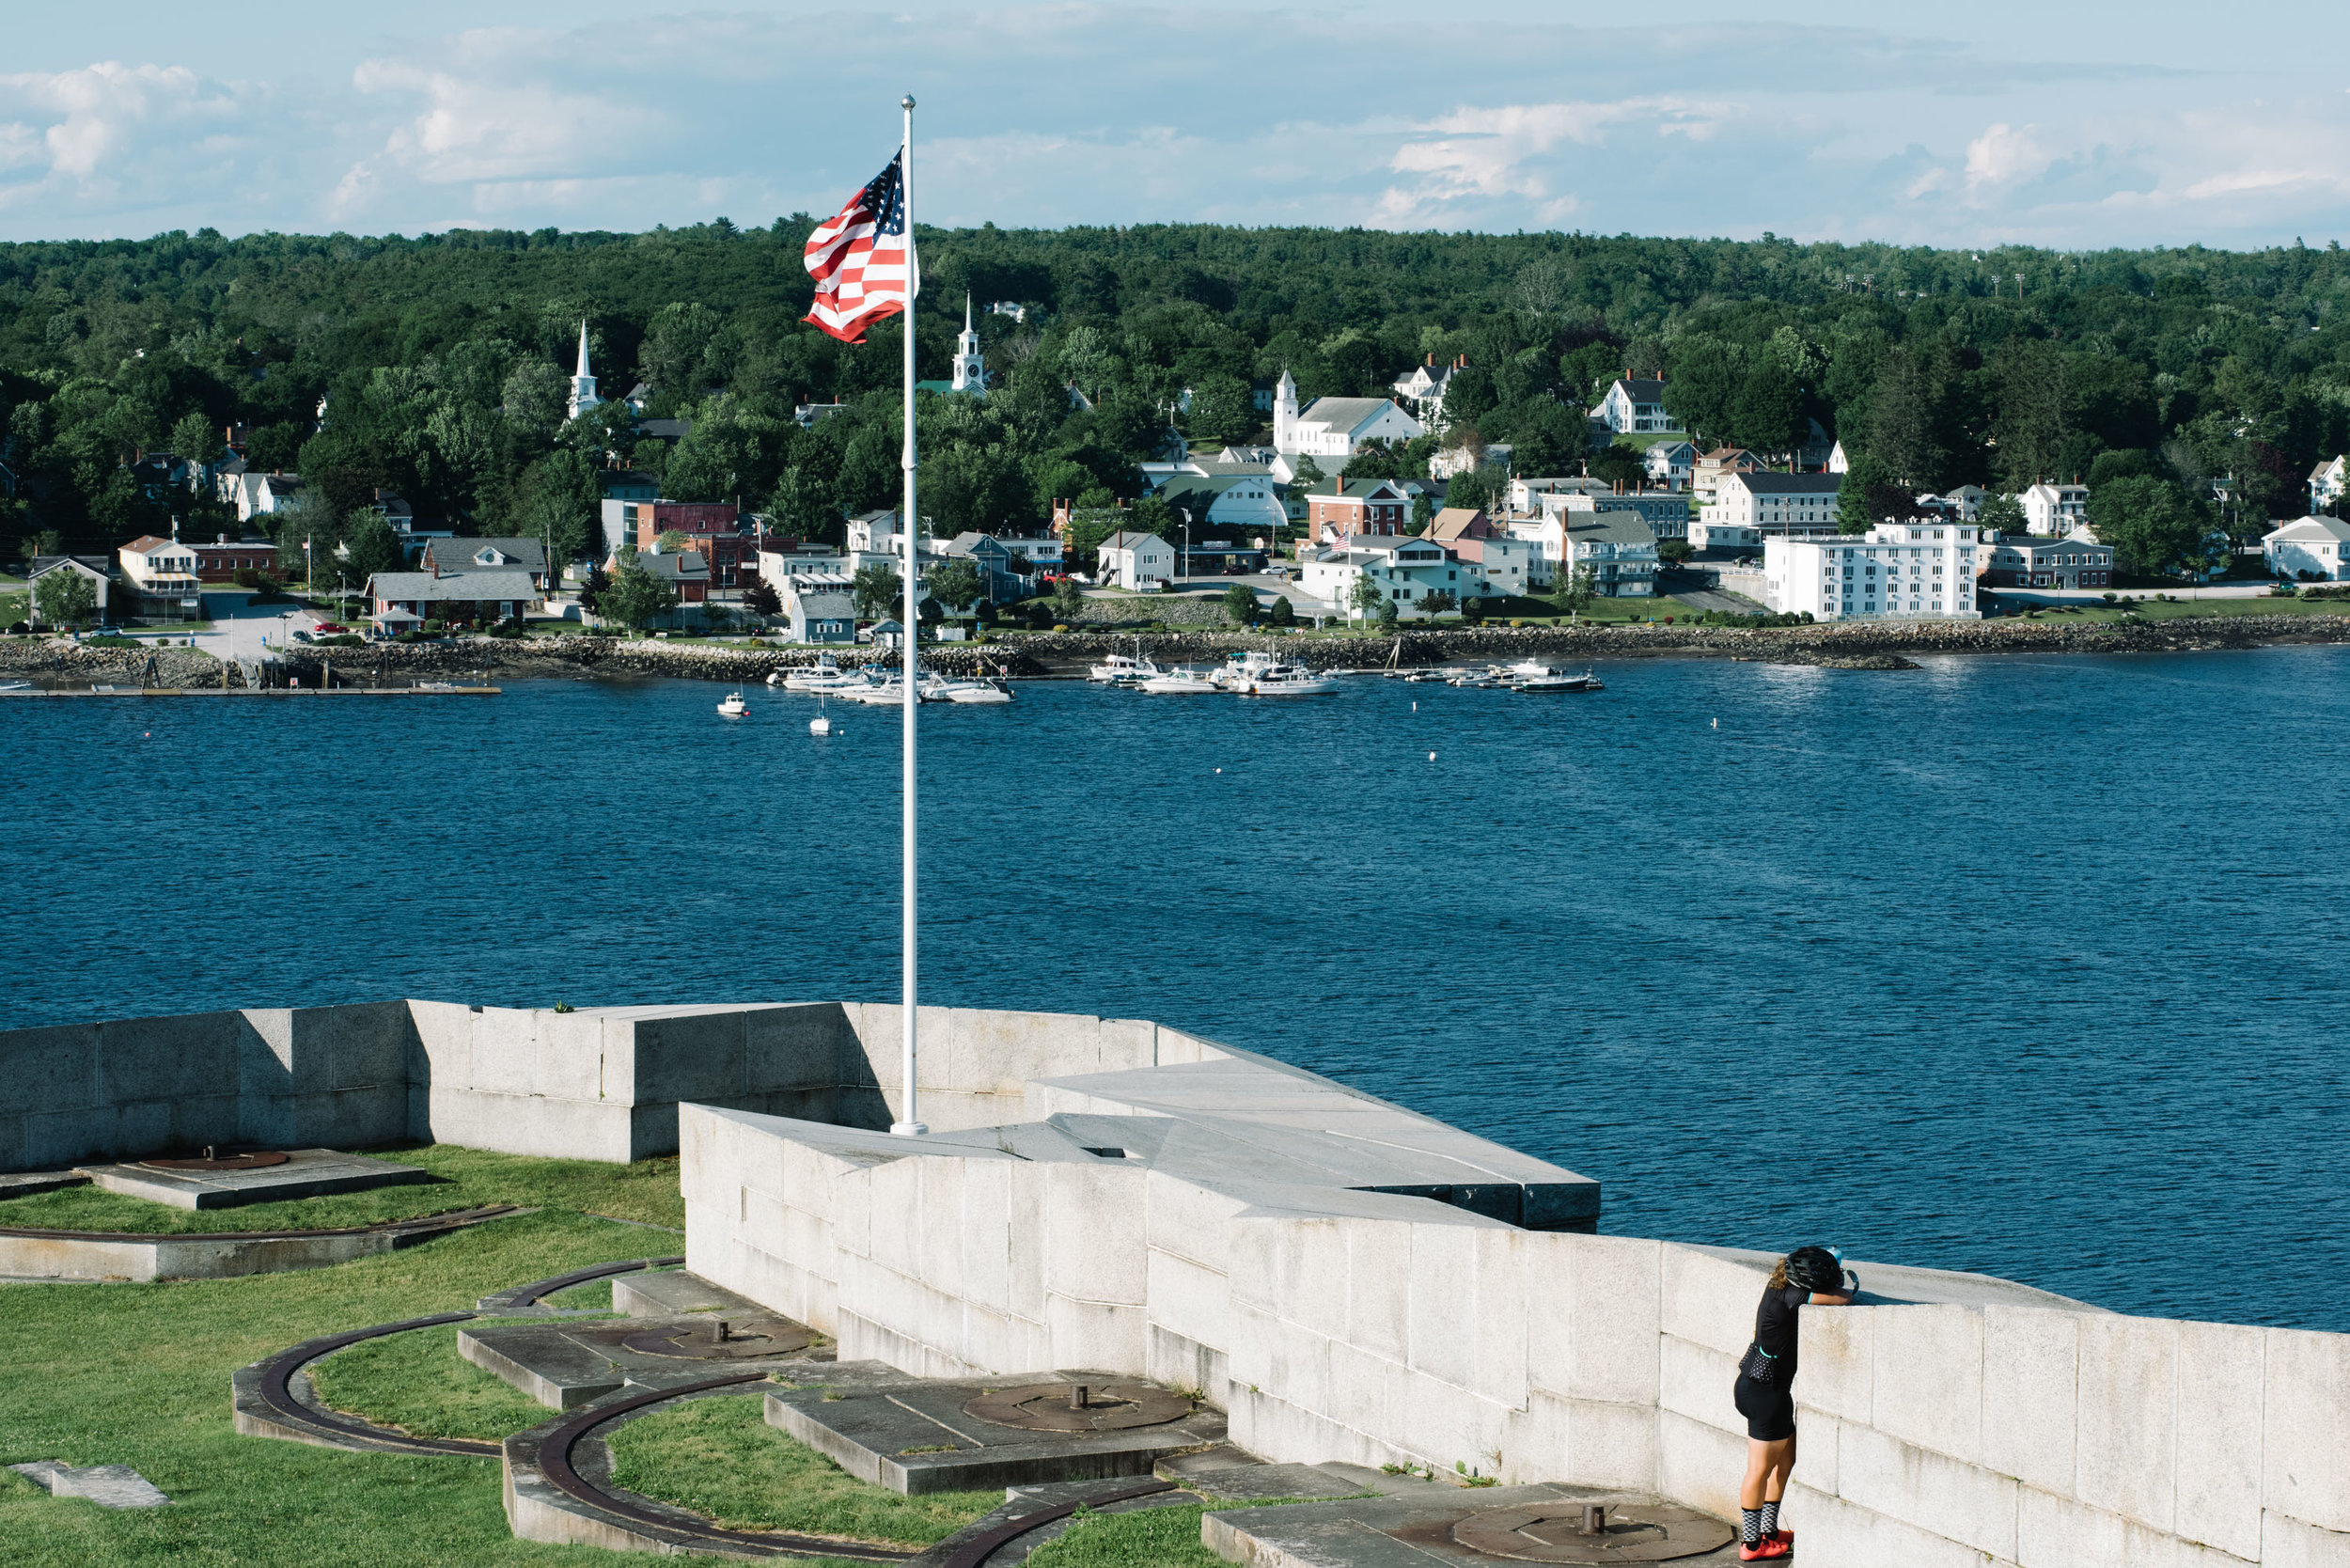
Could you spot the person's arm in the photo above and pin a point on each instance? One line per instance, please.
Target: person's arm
(1852, 1289)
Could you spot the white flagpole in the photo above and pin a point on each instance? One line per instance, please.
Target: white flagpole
(910, 1124)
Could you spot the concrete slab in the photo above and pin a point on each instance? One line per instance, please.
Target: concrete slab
(916, 1436)
(674, 1293)
(23, 1184)
(568, 1363)
(1420, 1529)
(107, 1485)
(303, 1173)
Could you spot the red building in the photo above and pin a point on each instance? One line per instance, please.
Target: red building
(712, 528)
(220, 561)
(1339, 514)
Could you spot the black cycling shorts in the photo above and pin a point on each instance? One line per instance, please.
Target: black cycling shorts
(1769, 1410)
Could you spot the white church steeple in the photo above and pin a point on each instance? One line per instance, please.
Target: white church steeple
(582, 384)
(970, 365)
(1285, 413)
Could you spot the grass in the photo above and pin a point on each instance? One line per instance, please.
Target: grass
(720, 1458)
(2149, 610)
(646, 1191)
(418, 1383)
(139, 1375)
(1159, 1537)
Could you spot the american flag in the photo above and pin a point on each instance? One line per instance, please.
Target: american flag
(862, 259)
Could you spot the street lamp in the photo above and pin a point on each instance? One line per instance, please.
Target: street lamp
(1184, 512)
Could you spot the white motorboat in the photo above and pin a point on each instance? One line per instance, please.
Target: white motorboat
(1544, 680)
(1287, 680)
(879, 694)
(1179, 682)
(12, 686)
(980, 692)
(735, 707)
(1122, 670)
(823, 676)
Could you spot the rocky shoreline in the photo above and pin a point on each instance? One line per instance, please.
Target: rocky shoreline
(1850, 645)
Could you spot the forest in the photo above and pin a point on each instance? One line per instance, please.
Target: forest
(443, 363)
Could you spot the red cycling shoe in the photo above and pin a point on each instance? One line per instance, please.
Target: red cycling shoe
(1769, 1549)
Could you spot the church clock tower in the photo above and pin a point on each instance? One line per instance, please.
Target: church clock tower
(970, 365)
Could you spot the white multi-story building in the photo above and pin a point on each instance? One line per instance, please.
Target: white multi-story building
(2317, 545)
(2328, 482)
(2055, 510)
(1916, 570)
(1405, 571)
(1666, 514)
(1336, 427)
(1635, 405)
(1672, 463)
(1422, 387)
(1771, 502)
(1134, 562)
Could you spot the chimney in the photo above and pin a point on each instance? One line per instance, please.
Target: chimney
(1432, 358)
(1341, 486)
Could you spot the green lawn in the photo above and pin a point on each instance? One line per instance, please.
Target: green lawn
(2148, 609)
(646, 1191)
(1158, 1537)
(139, 1375)
(418, 1383)
(720, 1458)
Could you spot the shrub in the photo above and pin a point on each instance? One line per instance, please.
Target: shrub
(1514, 624)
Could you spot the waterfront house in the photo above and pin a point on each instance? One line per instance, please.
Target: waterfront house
(1006, 576)
(1919, 569)
(1406, 572)
(1231, 501)
(91, 569)
(1666, 513)
(2308, 548)
(2028, 560)
(713, 530)
(1771, 502)
(480, 598)
(821, 606)
(1617, 547)
(2055, 510)
(1137, 562)
(229, 560)
(1338, 513)
(462, 553)
(161, 572)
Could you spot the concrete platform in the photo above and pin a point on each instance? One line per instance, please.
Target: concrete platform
(673, 1293)
(566, 1364)
(306, 1173)
(107, 1485)
(1423, 1526)
(99, 1256)
(919, 1435)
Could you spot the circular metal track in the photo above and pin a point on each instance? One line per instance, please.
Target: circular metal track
(1554, 1532)
(252, 1159)
(721, 1340)
(1079, 1406)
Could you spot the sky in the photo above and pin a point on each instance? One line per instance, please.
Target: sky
(2077, 125)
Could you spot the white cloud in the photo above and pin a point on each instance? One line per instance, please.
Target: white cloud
(2002, 155)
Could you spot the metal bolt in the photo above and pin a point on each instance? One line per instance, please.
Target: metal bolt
(1076, 1396)
(1595, 1519)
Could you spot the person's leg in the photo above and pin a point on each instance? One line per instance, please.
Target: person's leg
(1767, 1463)
(1782, 1465)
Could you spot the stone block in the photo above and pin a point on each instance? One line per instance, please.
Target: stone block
(503, 1051)
(1187, 1299)
(2127, 1447)
(527, 1124)
(1693, 1382)
(938, 1224)
(1610, 1445)
(2220, 1388)
(1926, 1382)
(54, 1070)
(1700, 1465)
(796, 1045)
(440, 1045)
(1378, 1298)
(1440, 1422)
(1497, 1325)
(368, 1044)
(2306, 1441)
(191, 1055)
(1442, 1260)
(1834, 1532)
(1096, 1335)
(1604, 1346)
(14, 1154)
(1093, 1242)
(1356, 1386)
(2030, 1387)
(984, 1235)
(568, 1048)
(1837, 1356)
(1709, 1300)
(694, 1055)
(1126, 1045)
(1187, 1220)
(1941, 1496)
(2061, 1532)
(2289, 1543)
(268, 1064)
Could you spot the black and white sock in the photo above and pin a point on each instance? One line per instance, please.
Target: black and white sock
(1750, 1526)
(1770, 1518)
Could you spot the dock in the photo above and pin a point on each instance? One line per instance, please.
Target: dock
(267, 691)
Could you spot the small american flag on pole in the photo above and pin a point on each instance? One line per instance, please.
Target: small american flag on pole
(862, 259)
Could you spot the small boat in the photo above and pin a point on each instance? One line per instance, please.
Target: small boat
(1543, 680)
(821, 676)
(6, 687)
(819, 725)
(1179, 682)
(1122, 670)
(1287, 680)
(1421, 678)
(735, 707)
(978, 692)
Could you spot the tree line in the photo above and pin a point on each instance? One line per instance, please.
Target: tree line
(442, 364)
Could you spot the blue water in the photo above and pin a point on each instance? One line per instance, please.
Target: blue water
(2032, 966)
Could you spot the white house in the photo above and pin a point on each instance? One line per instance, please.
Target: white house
(1619, 549)
(1336, 427)
(1671, 464)
(2326, 482)
(1965, 503)
(2055, 508)
(162, 573)
(1449, 460)
(1711, 468)
(253, 493)
(1136, 562)
(1665, 514)
(1704, 535)
(1423, 386)
(1837, 462)
(1915, 570)
(1405, 571)
(1772, 502)
(1526, 495)
(90, 569)
(2318, 545)
(1243, 501)
(1634, 405)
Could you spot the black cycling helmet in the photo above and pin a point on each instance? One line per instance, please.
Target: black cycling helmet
(1816, 1269)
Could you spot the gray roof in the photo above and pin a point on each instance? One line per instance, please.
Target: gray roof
(456, 553)
(1127, 539)
(1216, 468)
(422, 586)
(2334, 527)
(1640, 390)
(1611, 527)
(678, 566)
(1767, 484)
(1346, 414)
(99, 564)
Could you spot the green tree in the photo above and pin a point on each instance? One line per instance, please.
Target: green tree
(1282, 613)
(955, 584)
(1767, 414)
(1858, 493)
(1673, 552)
(196, 438)
(369, 546)
(671, 541)
(1365, 597)
(1439, 601)
(1423, 513)
(1067, 598)
(2031, 421)
(1621, 463)
(41, 542)
(2003, 514)
(1240, 604)
(636, 597)
(65, 598)
(1904, 420)
(878, 591)
(799, 507)
(1707, 376)
(1577, 589)
(2154, 527)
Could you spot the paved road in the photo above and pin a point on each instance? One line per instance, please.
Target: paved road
(1714, 598)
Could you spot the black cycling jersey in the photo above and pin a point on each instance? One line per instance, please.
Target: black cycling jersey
(1774, 1326)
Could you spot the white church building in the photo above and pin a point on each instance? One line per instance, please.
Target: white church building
(1336, 427)
(582, 384)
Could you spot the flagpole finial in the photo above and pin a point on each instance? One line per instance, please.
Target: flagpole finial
(906, 103)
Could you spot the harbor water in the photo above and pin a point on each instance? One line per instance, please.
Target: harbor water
(2027, 965)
